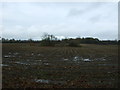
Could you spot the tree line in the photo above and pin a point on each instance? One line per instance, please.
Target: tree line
(51, 40)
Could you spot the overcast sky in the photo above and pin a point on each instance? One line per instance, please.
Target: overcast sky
(83, 19)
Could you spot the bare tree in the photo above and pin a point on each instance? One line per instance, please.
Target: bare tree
(48, 40)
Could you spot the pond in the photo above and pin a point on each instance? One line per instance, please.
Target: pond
(49, 81)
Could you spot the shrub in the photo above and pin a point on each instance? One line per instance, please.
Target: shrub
(73, 44)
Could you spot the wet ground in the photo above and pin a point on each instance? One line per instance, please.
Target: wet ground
(57, 67)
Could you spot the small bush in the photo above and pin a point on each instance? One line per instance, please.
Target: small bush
(73, 44)
(47, 43)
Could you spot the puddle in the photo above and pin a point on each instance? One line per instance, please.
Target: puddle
(16, 53)
(11, 55)
(42, 81)
(49, 81)
(87, 60)
(76, 58)
(65, 59)
(3, 65)
(39, 54)
(101, 59)
(22, 63)
(32, 54)
(46, 63)
(30, 62)
(36, 63)
(7, 56)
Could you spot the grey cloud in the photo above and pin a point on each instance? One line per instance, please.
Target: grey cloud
(75, 12)
(67, 20)
(87, 8)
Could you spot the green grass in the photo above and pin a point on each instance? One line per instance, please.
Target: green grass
(97, 73)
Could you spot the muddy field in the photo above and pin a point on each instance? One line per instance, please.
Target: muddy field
(32, 66)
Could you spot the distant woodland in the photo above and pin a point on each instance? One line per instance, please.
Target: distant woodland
(51, 40)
